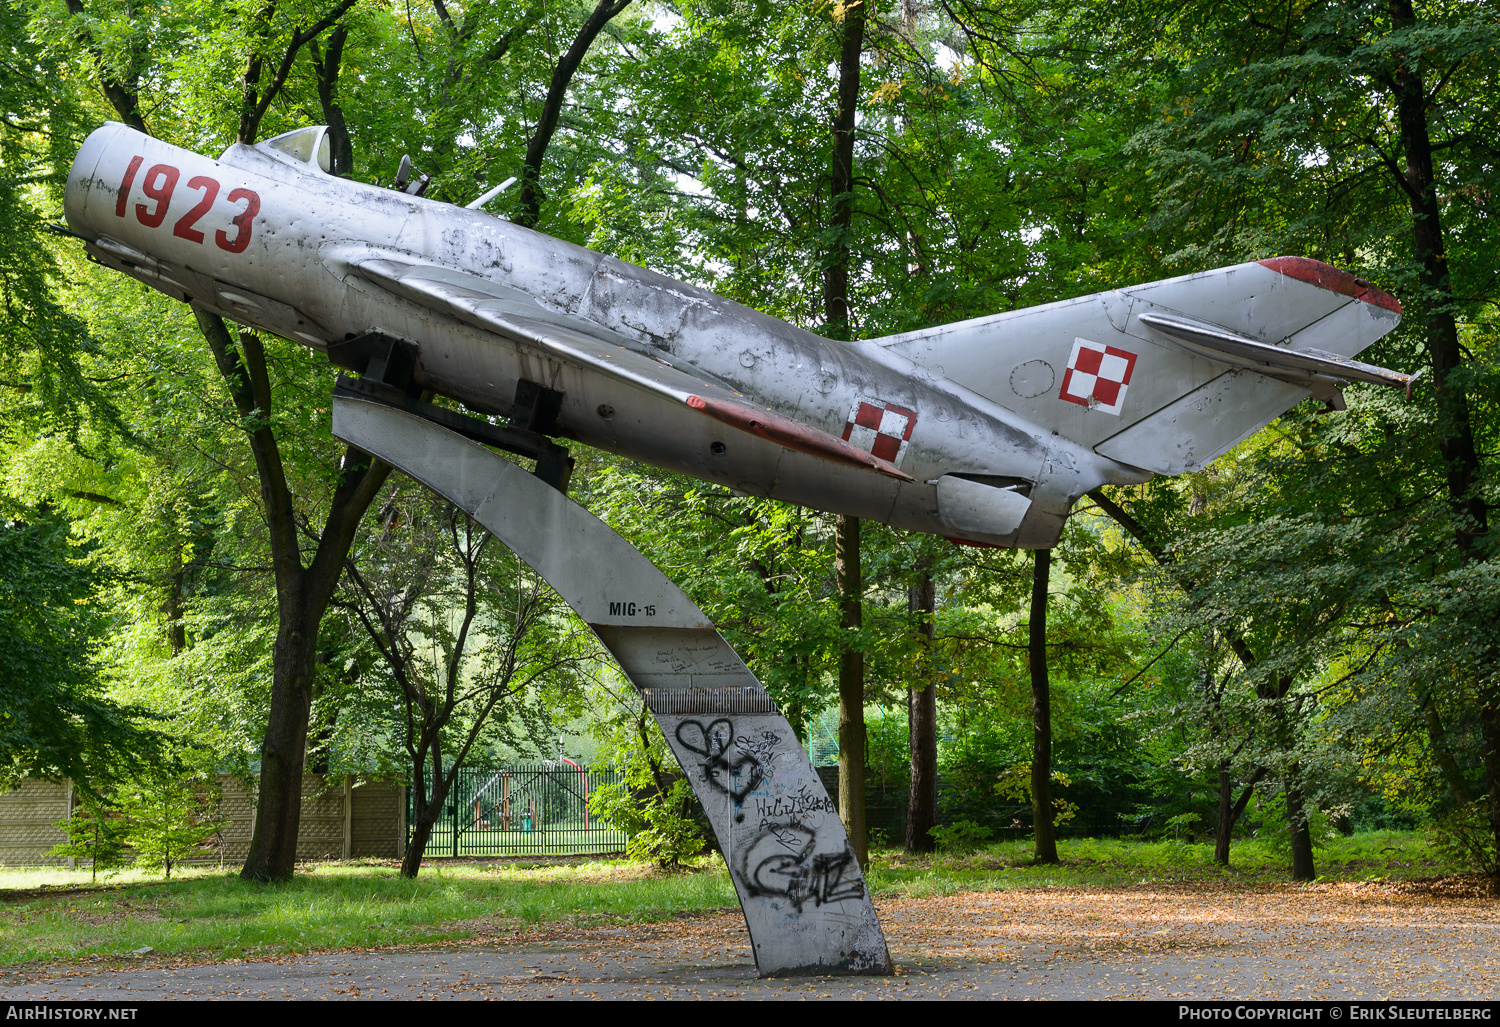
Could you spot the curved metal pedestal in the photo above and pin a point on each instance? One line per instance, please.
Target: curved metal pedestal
(800, 887)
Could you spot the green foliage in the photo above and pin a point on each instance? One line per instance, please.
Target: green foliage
(960, 836)
(95, 833)
(1464, 835)
(659, 824)
(46, 352)
(444, 642)
(1015, 784)
(168, 817)
(55, 720)
(653, 803)
(887, 745)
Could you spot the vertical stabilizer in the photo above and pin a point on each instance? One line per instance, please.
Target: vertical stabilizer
(1168, 375)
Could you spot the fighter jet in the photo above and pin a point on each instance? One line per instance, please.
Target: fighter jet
(986, 431)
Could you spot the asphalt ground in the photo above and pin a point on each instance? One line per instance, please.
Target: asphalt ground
(1331, 942)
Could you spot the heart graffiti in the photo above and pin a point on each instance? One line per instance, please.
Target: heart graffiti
(711, 741)
(737, 776)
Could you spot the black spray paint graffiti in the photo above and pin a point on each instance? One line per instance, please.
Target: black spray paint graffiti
(781, 861)
(793, 806)
(763, 749)
(735, 775)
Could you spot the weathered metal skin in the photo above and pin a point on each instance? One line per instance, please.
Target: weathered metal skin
(801, 889)
(321, 259)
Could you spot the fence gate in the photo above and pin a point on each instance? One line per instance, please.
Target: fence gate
(542, 808)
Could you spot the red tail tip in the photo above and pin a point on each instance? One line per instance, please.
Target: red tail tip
(1326, 276)
(976, 545)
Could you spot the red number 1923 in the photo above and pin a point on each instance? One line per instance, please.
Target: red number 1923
(159, 185)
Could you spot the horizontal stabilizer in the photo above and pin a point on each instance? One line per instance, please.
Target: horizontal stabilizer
(1232, 348)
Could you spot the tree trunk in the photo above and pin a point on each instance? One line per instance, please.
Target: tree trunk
(326, 65)
(846, 543)
(173, 608)
(841, 176)
(1301, 832)
(557, 91)
(851, 689)
(1230, 811)
(1489, 719)
(1455, 429)
(1224, 828)
(427, 812)
(302, 594)
(278, 811)
(1456, 433)
(1442, 754)
(921, 699)
(1041, 715)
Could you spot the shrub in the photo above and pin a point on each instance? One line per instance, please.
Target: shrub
(961, 836)
(661, 826)
(1463, 835)
(93, 834)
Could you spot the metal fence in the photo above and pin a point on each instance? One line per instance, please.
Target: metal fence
(540, 808)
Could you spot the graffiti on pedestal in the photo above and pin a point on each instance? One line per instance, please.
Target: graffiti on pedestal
(781, 861)
(781, 858)
(764, 748)
(737, 774)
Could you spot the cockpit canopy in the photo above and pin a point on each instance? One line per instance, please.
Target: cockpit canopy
(308, 146)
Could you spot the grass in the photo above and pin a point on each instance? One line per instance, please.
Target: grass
(215, 915)
(1121, 863)
(54, 914)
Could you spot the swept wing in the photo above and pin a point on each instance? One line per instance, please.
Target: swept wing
(513, 315)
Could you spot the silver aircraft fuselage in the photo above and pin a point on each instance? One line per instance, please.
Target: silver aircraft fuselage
(266, 238)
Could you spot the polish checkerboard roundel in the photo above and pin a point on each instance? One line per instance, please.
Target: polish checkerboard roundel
(1097, 376)
(879, 428)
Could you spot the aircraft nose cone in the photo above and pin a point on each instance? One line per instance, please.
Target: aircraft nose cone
(80, 204)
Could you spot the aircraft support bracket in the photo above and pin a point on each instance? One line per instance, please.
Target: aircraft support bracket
(802, 891)
(553, 464)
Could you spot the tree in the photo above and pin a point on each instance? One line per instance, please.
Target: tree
(1361, 132)
(55, 720)
(851, 33)
(167, 817)
(273, 42)
(1045, 841)
(303, 593)
(462, 629)
(94, 834)
(921, 716)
